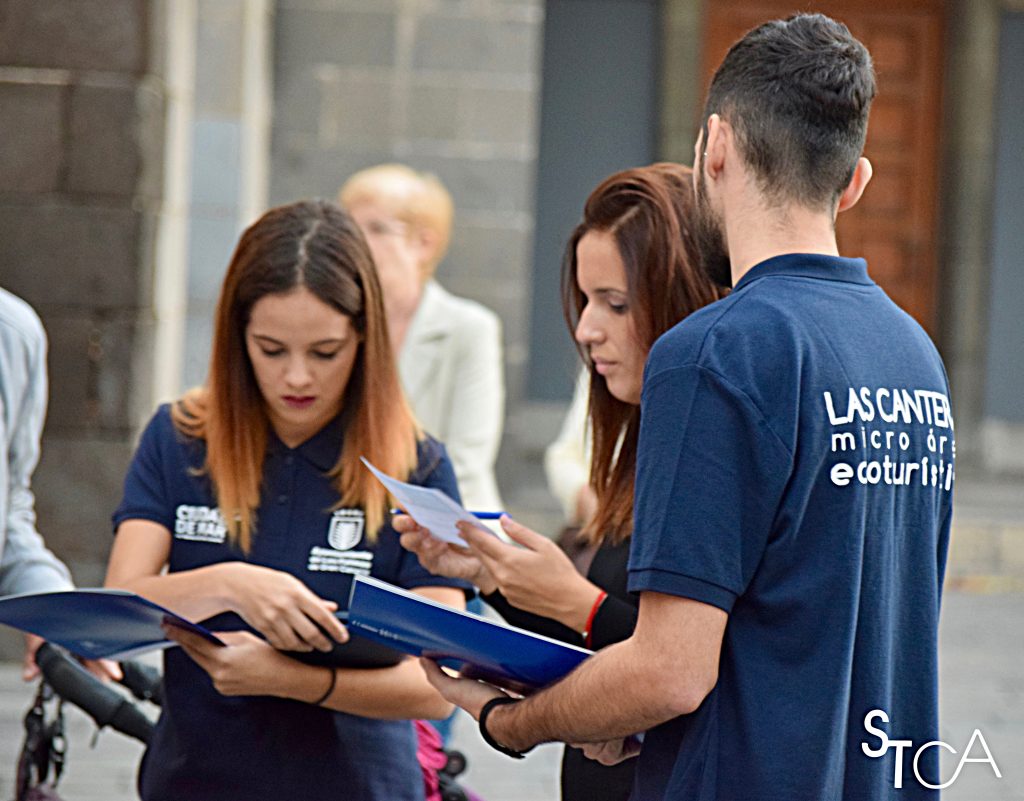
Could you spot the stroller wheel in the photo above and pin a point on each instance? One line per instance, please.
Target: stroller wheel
(450, 789)
(456, 763)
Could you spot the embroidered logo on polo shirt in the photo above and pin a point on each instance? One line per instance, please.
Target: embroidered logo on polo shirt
(325, 560)
(199, 524)
(344, 532)
(346, 529)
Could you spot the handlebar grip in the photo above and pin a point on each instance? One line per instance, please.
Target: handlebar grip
(143, 681)
(104, 705)
(130, 721)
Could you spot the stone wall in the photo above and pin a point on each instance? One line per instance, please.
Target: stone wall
(451, 87)
(83, 103)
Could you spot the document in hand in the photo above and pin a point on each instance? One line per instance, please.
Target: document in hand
(429, 507)
(95, 623)
(478, 648)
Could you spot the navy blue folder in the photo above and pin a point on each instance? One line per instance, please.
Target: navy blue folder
(494, 652)
(115, 624)
(355, 652)
(95, 623)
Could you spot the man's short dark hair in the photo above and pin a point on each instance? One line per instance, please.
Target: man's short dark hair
(797, 93)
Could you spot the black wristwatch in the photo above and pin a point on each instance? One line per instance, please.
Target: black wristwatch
(488, 708)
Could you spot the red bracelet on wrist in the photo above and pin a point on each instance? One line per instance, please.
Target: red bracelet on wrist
(589, 630)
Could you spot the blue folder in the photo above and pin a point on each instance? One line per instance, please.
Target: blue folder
(95, 623)
(494, 652)
(115, 624)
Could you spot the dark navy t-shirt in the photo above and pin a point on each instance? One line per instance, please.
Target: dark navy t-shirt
(795, 469)
(208, 746)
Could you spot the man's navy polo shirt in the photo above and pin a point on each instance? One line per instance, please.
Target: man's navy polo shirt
(795, 468)
(207, 746)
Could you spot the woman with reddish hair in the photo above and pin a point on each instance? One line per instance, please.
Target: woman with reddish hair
(631, 271)
(246, 506)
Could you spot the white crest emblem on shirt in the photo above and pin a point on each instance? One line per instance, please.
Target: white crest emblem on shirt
(346, 529)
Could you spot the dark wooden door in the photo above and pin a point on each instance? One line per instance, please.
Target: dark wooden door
(895, 224)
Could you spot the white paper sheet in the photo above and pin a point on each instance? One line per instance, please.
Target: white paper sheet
(429, 507)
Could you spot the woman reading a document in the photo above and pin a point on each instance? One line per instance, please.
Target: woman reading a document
(246, 506)
(630, 273)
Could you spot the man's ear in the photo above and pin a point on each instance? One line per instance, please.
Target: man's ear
(861, 175)
(716, 144)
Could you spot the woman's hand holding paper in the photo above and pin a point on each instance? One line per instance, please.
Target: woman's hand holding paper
(442, 558)
(537, 577)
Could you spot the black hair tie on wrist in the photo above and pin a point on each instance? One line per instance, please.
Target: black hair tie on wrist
(330, 688)
(501, 700)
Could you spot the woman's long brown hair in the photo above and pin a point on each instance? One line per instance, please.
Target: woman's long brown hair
(650, 212)
(317, 246)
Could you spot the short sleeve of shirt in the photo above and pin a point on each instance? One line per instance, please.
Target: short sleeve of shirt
(710, 475)
(435, 470)
(145, 486)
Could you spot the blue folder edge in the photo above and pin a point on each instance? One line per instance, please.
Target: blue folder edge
(96, 623)
(494, 652)
(116, 624)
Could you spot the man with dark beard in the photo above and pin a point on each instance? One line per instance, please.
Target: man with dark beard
(709, 234)
(793, 487)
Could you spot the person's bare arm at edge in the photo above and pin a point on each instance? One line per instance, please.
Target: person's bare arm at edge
(664, 670)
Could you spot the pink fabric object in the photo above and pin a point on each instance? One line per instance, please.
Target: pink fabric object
(431, 757)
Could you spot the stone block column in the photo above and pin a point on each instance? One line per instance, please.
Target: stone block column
(230, 140)
(92, 98)
(452, 88)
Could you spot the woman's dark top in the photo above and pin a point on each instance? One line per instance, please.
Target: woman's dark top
(210, 747)
(584, 779)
